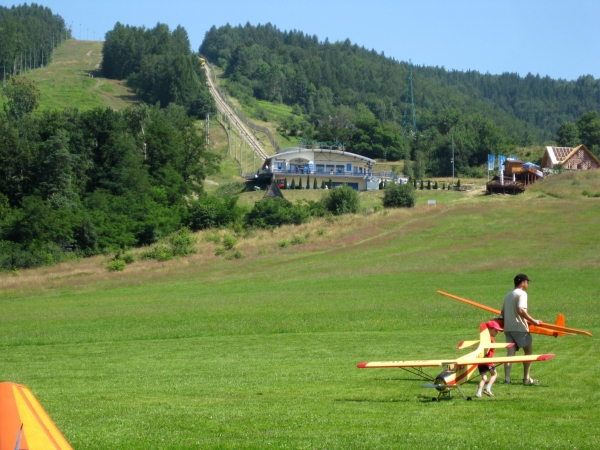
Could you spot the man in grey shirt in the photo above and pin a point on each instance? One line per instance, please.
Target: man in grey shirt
(516, 328)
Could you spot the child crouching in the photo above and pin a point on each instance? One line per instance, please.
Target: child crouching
(488, 371)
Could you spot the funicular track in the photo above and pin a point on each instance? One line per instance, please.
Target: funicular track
(226, 110)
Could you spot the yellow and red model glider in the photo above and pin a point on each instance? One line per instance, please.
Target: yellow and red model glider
(456, 372)
(548, 329)
(24, 425)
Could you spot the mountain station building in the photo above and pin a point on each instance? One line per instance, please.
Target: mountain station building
(322, 164)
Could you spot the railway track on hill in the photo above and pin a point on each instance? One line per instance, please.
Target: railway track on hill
(225, 109)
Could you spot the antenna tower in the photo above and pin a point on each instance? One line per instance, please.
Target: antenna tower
(409, 120)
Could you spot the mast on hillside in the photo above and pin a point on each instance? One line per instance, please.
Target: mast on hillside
(409, 120)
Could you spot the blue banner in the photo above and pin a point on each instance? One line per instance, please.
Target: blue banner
(501, 159)
(491, 162)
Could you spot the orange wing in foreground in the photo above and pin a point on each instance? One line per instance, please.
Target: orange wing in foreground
(18, 406)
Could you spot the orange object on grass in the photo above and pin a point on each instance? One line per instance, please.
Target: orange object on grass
(24, 424)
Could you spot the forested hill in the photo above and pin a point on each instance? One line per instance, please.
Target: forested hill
(296, 68)
(28, 34)
(540, 101)
(159, 65)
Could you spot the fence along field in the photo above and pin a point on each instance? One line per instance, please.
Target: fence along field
(262, 351)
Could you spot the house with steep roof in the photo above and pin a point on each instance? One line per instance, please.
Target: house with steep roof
(571, 158)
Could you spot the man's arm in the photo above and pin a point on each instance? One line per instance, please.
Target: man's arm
(525, 315)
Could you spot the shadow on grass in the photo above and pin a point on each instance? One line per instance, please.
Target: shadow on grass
(94, 73)
(373, 400)
(414, 380)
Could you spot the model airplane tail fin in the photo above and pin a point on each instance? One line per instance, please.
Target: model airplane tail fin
(484, 336)
(560, 321)
(467, 344)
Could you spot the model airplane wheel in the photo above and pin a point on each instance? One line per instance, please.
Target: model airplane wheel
(435, 399)
(469, 399)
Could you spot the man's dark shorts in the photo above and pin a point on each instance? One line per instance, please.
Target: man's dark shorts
(521, 339)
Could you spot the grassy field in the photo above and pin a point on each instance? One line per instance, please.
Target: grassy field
(67, 82)
(210, 352)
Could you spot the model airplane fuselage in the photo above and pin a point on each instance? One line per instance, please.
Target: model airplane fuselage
(456, 372)
(549, 329)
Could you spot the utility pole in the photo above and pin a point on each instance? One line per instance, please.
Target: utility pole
(229, 140)
(207, 130)
(453, 160)
(409, 122)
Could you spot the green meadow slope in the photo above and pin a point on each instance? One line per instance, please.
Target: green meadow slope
(74, 80)
(217, 352)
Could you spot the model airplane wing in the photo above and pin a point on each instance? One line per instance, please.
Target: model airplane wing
(549, 329)
(475, 344)
(502, 359)
(390, 364)
(24, 424)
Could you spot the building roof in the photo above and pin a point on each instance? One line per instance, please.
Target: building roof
(273, 191)
(559, 155)
(291, 150)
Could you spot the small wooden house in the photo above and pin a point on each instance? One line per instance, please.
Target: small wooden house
(524, 172)
(578, 158)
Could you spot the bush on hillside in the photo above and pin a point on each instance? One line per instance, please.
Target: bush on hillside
(272, 213)
(316, 209)
(180, 243)
(16, 256)
(116, 265)
(342, 200)
(399, 196)
(214, 212)
(229, 242)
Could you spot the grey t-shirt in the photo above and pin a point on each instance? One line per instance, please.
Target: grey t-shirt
(512, 320)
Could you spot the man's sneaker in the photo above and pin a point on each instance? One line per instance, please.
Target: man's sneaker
(478, 394)
(488, 393)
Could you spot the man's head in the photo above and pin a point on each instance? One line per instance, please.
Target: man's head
(522, 281)
(493, 327)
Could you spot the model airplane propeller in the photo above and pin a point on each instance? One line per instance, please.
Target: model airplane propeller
(456, 372)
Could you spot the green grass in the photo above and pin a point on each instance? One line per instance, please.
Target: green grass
(66, 82)
(262, 352)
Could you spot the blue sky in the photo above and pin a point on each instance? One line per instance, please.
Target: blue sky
(546, 37)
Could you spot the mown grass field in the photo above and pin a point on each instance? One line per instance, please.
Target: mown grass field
(259, 352)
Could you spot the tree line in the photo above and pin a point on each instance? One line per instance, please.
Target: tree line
(28, 35)
(585, 131)
(159, 65)
(83, 182)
